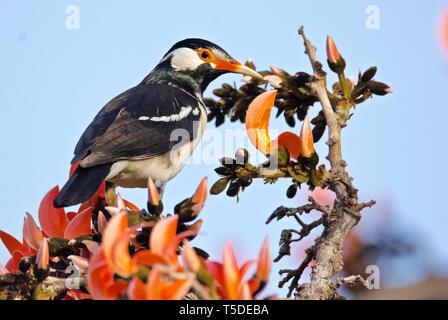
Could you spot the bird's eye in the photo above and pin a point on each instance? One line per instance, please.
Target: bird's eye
(205, 55)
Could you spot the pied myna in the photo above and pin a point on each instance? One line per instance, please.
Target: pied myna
(151, 129)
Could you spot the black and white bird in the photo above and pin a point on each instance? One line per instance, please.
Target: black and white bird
(151, 129)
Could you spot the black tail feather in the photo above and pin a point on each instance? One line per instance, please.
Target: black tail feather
(82, 185)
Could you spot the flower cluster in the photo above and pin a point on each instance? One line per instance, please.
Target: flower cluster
(121, 252)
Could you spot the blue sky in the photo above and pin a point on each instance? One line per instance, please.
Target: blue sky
(54, 80)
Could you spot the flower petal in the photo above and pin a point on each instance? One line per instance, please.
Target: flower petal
(162, 234)
(137, 289)
(53, 221)
(306, 139)
(43, 255)
(80, 225)
(11, 243)
(290, 141)
(153, 194)
(264, 264)
(200, 197)
(13, 264)
(100, 279)
(31, 233)
(230, 272)
(177, 289)
(190, 258)
(257, 120)
(116, 227)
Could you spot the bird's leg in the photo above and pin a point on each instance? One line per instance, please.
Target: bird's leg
(110, 193)
(160, 188)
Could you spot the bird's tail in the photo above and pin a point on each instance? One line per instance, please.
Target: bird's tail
(82, 185)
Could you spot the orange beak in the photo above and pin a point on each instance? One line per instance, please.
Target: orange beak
(236, 67)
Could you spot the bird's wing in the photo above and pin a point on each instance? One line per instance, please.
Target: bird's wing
(143, 122)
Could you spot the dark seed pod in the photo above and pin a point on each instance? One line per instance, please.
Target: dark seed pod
(219, 186)
(290, 120)
(233, 190)
(223, 171)
(201, 253)
(245, 181)
(292, 191)
(368, 74)
(378, 88)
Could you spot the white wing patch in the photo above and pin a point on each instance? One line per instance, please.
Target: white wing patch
(184, 112)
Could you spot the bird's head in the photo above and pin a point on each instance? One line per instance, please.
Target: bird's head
(195, 63)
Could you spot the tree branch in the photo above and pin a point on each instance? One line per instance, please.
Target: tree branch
(346, 212)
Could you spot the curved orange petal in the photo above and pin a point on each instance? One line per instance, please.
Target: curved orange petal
(264, 264)
(100, 279)
(137, 289)
(154, 286)
(306, 139)
(177, 289)
(131, 206)
(257, 120)
(53, 221)
(43, 255)
(200, 197)
(162, 234)
(31, 233)
(290, 141)
(230, 272)
(146, 257)
(13, 264)
(190, 258)
(116, 226)
(153, 194)
(102, 222)
(80, 225)
(216, 270)
(11, 243)
(120, 259)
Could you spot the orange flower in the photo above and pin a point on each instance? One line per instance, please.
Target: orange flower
(32, 236)
(190, 259)
(53, 221)
(290, 141)
(264, 265)
(231, 278)
(333, 54)
(306, 139)
(257, 121)
(200, 197)
(79, 225)
(153, 194)
(115, 245)
(100, 279)
(158, 288)
(43, 255)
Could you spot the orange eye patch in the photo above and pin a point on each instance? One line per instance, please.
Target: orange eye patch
(206, 55)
